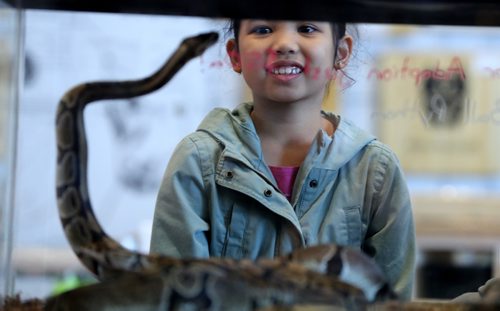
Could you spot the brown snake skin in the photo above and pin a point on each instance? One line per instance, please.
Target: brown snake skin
(135, 281)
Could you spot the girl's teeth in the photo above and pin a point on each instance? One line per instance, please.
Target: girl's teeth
(286, 70)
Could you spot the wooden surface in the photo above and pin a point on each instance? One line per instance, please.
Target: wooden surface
(16, 304)
(458, 216)
(397, 306)
(459, 224)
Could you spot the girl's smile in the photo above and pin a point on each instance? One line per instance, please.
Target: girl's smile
(284, 70)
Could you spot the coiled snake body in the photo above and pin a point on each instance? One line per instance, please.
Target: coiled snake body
(133, 280)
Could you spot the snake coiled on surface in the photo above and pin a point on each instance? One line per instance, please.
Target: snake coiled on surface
(153, 282)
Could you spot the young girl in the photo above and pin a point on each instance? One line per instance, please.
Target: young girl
(278, 173)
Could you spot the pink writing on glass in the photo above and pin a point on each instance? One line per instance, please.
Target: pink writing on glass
(253, 62)
(406, 71)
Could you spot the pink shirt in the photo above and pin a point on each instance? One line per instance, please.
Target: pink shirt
(285, 176)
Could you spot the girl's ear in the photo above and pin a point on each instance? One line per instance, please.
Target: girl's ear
(234, 55)
(344, 51)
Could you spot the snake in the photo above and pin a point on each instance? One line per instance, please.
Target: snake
(316, 274)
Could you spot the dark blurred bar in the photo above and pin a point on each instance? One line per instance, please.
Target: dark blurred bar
(442, 12)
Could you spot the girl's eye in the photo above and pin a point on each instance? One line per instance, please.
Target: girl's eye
(261, 30)
(307, 28)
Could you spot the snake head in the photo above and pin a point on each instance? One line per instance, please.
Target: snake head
(199, 44)
(360, 270)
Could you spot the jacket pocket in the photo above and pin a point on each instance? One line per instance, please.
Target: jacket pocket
(236, 224)
(353, 224)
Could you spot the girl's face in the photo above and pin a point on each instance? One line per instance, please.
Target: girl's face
(284, 61)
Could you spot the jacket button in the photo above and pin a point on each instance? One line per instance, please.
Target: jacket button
(313, 183)
(268, 193)
(229, 174)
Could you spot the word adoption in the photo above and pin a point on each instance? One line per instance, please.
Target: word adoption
(406, 71)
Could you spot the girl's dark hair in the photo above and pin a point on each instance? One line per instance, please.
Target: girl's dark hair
(338, 30)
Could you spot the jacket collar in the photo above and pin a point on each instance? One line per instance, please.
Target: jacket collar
(334, 152)
(236, 131)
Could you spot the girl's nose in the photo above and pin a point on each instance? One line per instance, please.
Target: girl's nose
(285, 43)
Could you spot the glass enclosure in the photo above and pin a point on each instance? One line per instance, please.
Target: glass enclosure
(430, 92)
(11, 39)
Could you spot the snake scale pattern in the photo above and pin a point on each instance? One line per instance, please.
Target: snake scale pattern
(133, 281)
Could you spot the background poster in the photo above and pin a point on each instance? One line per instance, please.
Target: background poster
(438, 112)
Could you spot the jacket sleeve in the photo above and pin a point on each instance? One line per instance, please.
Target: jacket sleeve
(390, 237)
(179, 228)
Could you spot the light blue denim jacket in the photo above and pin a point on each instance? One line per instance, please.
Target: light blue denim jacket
(219, 198)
